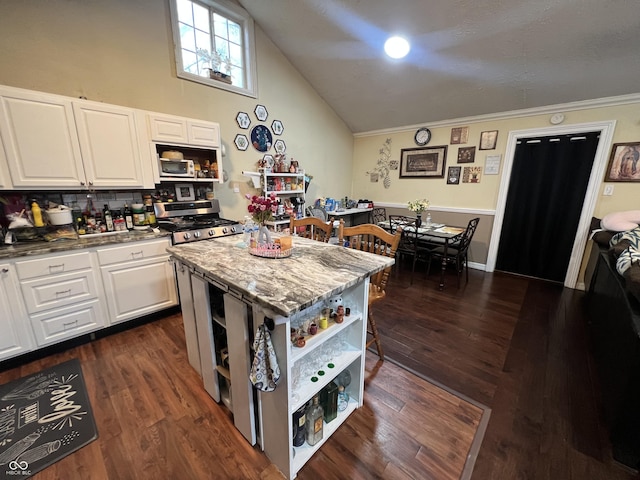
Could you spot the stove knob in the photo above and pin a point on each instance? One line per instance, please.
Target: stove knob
(196, 234)
(225, 230)
(212, 232)
(187, 236)
(233, 229)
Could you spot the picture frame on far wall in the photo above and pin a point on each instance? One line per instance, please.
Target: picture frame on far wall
(488, 140)
(453, 177)
(466, 154)
(624, 164)
(185, 192)
(423, 162)
(459, 135)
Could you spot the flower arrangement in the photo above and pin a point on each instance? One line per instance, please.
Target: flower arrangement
(262, 208)
(418, 206)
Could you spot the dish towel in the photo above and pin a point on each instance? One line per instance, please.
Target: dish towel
(265, 371)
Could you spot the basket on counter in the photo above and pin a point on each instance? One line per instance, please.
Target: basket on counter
(270, 250)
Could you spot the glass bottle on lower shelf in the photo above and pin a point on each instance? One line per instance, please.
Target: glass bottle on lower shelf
(299, 431)
(343, 399)
(329, 401)
(314, 422)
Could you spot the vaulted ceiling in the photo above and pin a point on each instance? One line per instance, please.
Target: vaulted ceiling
(468, 57)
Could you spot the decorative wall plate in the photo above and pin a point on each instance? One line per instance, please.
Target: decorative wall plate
(261, 113)
(277, 127)
(243, 120)
(280, 146)
(241, 141)
(268, 160)
(261, 138)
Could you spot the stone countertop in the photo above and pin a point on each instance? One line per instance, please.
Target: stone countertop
(315, 270)
(25, 249)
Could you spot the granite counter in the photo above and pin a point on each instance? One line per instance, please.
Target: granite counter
(25, 249)
(314, 271)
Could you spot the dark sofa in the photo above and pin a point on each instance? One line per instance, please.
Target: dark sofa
(614, 322)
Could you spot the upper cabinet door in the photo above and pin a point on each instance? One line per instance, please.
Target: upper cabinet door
(109, 145)
(5, 179)
(165, 128)
(181, 130)
(203, 133)
(40, 140)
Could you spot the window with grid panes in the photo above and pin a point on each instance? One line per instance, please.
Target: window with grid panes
(215, 44)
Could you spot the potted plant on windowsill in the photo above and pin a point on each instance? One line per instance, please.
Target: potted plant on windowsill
(215, 63)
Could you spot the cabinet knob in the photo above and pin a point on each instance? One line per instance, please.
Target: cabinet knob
(91, 183)
(5, 270)
(82, 183)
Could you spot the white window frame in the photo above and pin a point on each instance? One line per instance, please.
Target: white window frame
(242, 17)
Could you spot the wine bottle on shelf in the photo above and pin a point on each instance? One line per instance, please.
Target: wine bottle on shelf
(108, 218)
(329, 401)
(128, 217)
(299, 429)
(314, 422)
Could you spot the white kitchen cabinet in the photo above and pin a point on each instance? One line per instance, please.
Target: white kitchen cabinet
(62, 294)
(5, 179)
(138, 279)
(186, 131)
(109, 144)
(56, 142)
(40, 140)
(16, 336)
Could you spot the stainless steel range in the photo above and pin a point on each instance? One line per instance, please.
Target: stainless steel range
(195, 220)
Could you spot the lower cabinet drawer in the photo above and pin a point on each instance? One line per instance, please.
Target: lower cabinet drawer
(59, 290)
(65, 323)
(43, 267)
(133, 251)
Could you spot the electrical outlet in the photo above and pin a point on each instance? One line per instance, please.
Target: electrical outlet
(236, 188)
(608, 190)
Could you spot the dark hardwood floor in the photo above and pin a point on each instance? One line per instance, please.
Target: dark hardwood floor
(519, 346)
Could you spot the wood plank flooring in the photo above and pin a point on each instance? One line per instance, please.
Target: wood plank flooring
(519, 346)
(155, 420)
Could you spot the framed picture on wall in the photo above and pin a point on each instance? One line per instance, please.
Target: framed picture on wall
(185, 192)
(459, 135)
(466, 154)
(623, 164)
(425, 162)
(453, 175)
(488, 140)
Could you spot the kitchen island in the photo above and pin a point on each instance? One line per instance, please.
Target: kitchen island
(289, 291)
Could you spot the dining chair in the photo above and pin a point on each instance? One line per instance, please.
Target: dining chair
(317, 212)
(373, 239)
(311, 227)
(457, 252)
(408, 246)
(378, 215)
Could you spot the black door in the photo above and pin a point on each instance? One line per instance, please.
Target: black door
(548, 183)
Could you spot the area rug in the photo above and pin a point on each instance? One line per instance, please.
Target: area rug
(43, 418)
(465, 471)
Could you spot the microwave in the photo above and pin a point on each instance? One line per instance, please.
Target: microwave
(176, 168)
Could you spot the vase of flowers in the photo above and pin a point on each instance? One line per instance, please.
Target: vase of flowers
(419, 207)
(262, 210)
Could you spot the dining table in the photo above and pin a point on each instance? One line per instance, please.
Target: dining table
(431, 236)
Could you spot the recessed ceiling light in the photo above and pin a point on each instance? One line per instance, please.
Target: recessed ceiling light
(397, 47)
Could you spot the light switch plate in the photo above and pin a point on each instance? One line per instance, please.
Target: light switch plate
(236, 188)
(608, 190)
